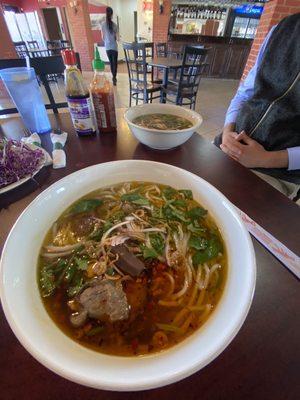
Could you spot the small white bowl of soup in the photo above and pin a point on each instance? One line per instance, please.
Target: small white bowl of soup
(162, 126)
(163, 321)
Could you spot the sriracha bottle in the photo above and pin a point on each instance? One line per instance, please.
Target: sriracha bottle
(103, 97)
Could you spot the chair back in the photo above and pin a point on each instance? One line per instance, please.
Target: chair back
(161, 49)
(40, 53)
(54, 46)
(135, 56)
(65, 44)
(32, 44)
(21, 49)
(193, 65)
(12, 63)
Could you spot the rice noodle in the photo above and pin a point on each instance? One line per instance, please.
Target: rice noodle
(178, 317)
(185, 326)
(200, 298)
(112, 278)
(183, 290)
(205, 281)
(54, 229)
(195, 289)
(172, 282)
(208, 308)
(62, 249)
(214, 268)
(107, 233)
(169, 303)
(56, 255)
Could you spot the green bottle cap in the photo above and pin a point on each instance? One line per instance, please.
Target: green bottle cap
(98, 64)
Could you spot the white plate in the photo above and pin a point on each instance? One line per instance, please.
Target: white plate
(48, 344)
(26, 178)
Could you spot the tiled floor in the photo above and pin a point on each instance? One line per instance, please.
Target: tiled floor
(212, 101)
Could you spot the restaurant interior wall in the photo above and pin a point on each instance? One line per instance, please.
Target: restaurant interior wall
(145, 19)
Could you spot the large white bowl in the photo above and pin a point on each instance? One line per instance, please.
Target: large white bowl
(49, 345)
(158, 139)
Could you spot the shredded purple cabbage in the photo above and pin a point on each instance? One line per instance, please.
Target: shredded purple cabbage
(17, 160)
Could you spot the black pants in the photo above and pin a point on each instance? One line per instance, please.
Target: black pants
(113, 60)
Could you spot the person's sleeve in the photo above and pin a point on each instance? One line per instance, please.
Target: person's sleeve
(246, 88)
(294, 158)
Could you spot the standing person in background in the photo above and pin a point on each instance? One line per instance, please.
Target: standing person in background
(110, 36)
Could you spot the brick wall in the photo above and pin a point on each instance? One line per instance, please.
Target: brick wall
(7, 49)
(274, 12)
(81, 33)
(161, 21)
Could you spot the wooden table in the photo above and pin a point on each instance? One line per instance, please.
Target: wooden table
(165, 63)
(262, 362)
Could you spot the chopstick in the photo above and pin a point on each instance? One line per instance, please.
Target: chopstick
(278, 249)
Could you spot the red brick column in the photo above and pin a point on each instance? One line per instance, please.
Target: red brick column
(161, 21)
(274, 12)
(81, 33)
(7, 49)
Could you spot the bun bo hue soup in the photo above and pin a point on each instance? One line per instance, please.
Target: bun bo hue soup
(162, 122)
(132, 269)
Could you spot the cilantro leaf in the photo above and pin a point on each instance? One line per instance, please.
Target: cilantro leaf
(196, 229)
(81, 264)
(77, 286)
(196, 212)
(85, 205)
(110, 271)
(188, 194)
(213, 248)
(174, 214)
(148, 252)
(135, 198)
(169, 192)
(179, 203)
(157, 243)
(198, 243)
(47, 281)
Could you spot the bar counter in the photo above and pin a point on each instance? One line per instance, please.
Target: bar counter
(227, 56)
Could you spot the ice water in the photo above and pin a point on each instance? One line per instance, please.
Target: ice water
(22, 85)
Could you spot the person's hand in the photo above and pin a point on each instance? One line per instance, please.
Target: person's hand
(249, 153)
(229, 138)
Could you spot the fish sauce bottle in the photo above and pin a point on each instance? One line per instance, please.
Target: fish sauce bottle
(78, 97)
(103, 97)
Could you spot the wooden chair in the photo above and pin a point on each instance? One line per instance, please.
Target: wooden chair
(54, 46)
(21, 49)
(65, 44)
(184, 91)
(40, 53)
(32, 44)
(161, 49)
(43, 67)
(140, 88)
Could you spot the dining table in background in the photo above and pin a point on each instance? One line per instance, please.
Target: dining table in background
(262, 361)
(166, 64)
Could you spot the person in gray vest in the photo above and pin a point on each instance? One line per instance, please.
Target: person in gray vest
(262, 124)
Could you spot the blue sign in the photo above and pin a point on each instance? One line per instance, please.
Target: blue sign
(248, 9)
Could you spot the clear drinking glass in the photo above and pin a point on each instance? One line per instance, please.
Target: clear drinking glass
(22, 85)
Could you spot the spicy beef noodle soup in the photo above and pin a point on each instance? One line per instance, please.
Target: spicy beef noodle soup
(132, 269)
(162, 122)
